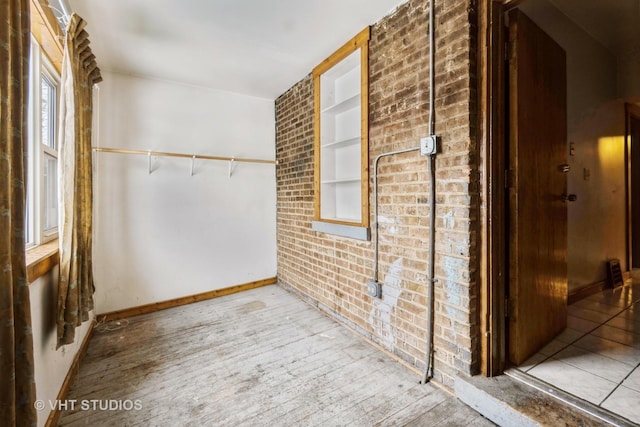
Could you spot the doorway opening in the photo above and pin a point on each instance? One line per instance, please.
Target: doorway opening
(593, 348)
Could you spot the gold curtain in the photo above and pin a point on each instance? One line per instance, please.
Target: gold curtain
(79, 74)
(17, 389)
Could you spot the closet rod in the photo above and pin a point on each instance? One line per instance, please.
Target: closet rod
(190, 156)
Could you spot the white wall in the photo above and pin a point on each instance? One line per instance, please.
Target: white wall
(597, 229)
(167, 234)
(628, 56)
(595, 124)
(51, 366)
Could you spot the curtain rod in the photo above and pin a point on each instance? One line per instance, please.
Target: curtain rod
(189, 156)
(63, 17)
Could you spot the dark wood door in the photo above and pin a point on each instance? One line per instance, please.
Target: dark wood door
(537, 211)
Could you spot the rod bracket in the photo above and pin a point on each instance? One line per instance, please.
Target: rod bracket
(231, 166)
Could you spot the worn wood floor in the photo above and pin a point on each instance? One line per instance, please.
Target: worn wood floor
(261, 357)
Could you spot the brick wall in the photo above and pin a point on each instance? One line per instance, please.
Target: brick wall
(332, 271)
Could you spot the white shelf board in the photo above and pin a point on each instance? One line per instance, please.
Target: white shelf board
(342, 143)
(346, 105)
(341, 181)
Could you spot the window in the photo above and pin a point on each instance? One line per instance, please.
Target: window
(42, 166)
(341, 141)
(49, 155)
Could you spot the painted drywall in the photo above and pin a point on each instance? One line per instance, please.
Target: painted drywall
(168, 234)
(51, 366)
(595, 125)
(628, 61)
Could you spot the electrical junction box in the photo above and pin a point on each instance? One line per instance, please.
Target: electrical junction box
(429, 145)
(374, 289)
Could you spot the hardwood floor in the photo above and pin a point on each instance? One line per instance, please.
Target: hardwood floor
(261, 357)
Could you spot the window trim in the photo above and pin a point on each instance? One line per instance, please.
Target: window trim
(48, 72)
(40, 67)
(358, 228)
(46, 35)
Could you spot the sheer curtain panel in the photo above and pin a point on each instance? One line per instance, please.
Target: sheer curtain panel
(76, 287)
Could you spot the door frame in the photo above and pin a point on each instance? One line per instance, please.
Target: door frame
(493, 227)
(491, 151)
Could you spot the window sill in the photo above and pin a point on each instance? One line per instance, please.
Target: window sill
(41, 260)
(351, 231)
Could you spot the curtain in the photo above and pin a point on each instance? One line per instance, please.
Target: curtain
(76, 287)
(17, 389)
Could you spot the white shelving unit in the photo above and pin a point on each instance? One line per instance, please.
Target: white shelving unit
(341, 132)
(341, 138)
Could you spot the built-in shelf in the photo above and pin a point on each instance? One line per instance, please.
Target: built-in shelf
(341, 181)
(342, 142)
(341, 136)
(343, 106)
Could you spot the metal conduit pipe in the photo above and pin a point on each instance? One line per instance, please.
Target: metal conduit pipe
(430, 152)
(375, 206)
(428, 371)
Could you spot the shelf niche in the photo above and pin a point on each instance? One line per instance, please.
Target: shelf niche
(341, 137)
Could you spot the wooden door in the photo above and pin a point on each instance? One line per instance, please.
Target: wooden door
(537, 306)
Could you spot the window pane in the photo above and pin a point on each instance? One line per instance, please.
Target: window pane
(48, 107)
(50, 196)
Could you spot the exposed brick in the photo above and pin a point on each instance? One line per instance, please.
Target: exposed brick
(332, 271)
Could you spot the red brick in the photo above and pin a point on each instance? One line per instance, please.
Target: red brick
(333, 271)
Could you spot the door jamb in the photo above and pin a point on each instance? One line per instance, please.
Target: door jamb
(492, 304)
(492, 154)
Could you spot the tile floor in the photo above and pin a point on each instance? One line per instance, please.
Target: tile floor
(597, 357)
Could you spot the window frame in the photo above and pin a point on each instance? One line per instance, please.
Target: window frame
(333, 224)
(40, 68)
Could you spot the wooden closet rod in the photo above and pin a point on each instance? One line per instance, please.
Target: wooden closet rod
(189, 156)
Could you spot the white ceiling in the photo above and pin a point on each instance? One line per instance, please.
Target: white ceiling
(254, 47)
(263, 47)
(614, 23)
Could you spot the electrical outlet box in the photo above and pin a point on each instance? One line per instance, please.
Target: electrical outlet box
(429, 145)
(374, 289)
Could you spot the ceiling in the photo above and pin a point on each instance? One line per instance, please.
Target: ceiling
(614, 23)
(262, 48)
(255, 47)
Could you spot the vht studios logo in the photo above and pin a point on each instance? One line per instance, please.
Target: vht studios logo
(89, 405)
